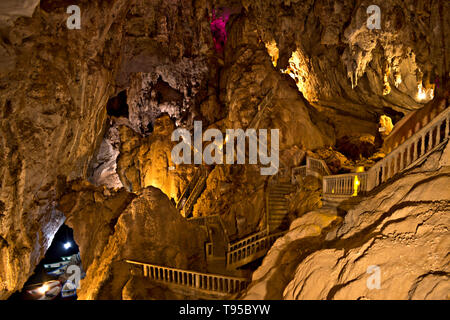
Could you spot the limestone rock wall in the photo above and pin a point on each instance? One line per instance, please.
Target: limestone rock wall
(53, 94)
(111, 227)
(55, 83)
(402, 228)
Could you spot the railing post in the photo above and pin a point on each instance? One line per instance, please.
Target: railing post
(144, 267)
(430, 140)
(415, 146)
(422, 149)
(438, 133)
(197, 281)
(447, 126)
(402, 158)
(395, 170)
(408, 155)
(389, 169)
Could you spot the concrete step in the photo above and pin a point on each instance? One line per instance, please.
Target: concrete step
(283, 185)
(278, 207)
(279, 191)
(277, 202)
(273, 219)
(278, 227)
(277, 222)
(278, 211)
(280, 197)
(282, 189)
(278, 217)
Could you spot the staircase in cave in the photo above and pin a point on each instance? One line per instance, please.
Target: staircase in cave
(278, 206)
(249, 249)
(197, 184)
(193, 191)
(420, 138)
(427, 136)
(216, 247)
(336, 188)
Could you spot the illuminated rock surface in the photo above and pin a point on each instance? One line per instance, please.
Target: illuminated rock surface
(55, 84)
(402, 229)
(114, 227)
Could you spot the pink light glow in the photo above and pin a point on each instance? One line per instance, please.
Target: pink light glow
(218, 29)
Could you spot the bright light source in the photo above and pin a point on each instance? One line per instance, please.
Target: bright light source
(355, 186)
(67, 245)
(421, 95)
(43, 289)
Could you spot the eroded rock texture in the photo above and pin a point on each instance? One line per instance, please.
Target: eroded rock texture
(402, 228)
(327, 77)
(113, 227)
(53, 94)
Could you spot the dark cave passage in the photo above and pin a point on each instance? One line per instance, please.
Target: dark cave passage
(91, 116)
(51, 275)
(117, 106)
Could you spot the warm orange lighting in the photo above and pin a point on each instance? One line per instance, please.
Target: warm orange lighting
(298, 70)
(43, 289)
(421, 94)
(386, 125)
(273, 51)
(398, 79)
(386, 85)
(424, 94)
(356, 184)
(360, 169)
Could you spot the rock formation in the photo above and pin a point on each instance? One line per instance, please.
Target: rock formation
(112, 227)
(402, 229)
(99, 103)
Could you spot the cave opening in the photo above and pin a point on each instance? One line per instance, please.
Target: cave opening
(55, 275)
(395, 116)
(117, 106)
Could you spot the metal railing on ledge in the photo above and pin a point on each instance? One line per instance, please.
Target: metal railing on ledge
(313, 167)
(213, 283)
(344, 184)
(187, 191)
(251, 251)
(254, 123)
(298, 172)
(195, 193)
(317, 165)
(415, 148)
(243, 242)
